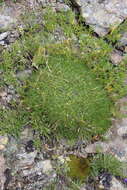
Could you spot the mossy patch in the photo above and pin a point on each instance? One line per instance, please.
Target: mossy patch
(64, 99)
(78, 167)
(81, 168)
(67, 94)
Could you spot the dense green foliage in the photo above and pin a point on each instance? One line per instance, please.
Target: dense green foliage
(116, 33)
(65, 94)
(106, 163)
(72, 85)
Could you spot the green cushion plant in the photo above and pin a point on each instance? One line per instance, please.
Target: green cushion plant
(65, 99)
(72, 85)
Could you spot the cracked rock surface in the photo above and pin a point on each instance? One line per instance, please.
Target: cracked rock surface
(102, 15)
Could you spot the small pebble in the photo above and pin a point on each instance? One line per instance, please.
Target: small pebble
(101, 186)
(3, 140)
(2, 147)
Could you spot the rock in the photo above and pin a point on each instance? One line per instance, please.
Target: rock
(12, 148)
(7, 95)
(12, 36)
(116, 185)
(101, 187)
(42, 181)
(117, 136)
(24, 160)
(121, 123)
(47, 167)
(22, 75)
(2, 169)
(3, 142)
(118, 149)
(122, 131)
(123, 40)
(3, 94)
(97, 147)
(55, 5)
(2, 43)
(123, 106)
(83, 187)
(62, 7)
(6, 22)
(2, 147)
(114, 147)
(7, 18)
(125, 49)
(35, 170)
(41, 167)
(116, 57)
(28, 169)
(103, 15)
(46, 2)
(3, 35)
(10, 14)
(26, 134)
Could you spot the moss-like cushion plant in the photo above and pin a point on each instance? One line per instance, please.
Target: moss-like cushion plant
(64, 98)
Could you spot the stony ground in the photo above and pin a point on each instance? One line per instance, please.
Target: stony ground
(22, 166)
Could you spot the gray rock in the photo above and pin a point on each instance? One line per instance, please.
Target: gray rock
(26, 134)
(115, 147)
(7, 18)
(13, 35)
(2, 43)
(35, 170)
(122, 131)
(46, 2)
(116, 143)
(62, 7)
(123, 40)
(10, 15)
(12, 147)
(7, 94)
(43, 181)
(24, 160)
(41, 167)
(116, 185)
(123, 108)
(6, 22)
(28, 170)
(116, 57)
(97, 147)
(121, 123)
(2, 169)
(47, 166)
(3, 35)
(55, 5)
(22, 75)
(101, 187)
(102, 15)
(83, 188)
